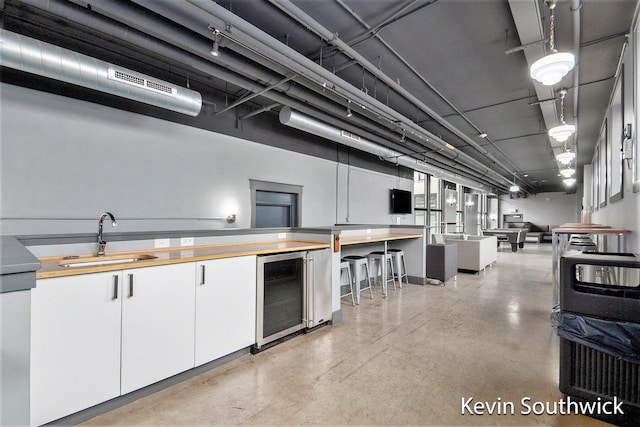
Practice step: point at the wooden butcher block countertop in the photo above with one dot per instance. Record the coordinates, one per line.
(53, 266)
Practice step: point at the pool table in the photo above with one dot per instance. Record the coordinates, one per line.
(514, 236)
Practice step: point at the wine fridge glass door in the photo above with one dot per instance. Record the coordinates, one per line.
(281, 296)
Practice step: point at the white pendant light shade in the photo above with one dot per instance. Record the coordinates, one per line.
(514, 188)
(562, 132)
(569, 181)
(550, 69)
(566, 157)
(568, 172)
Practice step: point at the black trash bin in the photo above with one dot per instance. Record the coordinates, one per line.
(598, 322)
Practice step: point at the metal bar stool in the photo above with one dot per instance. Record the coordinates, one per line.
(397, 255)
(360, 273)
(346, 290)
(375, 265)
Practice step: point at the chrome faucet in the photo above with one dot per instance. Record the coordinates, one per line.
(101, 242)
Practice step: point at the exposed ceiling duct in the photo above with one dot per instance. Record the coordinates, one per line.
(308, 124)
(44, 59)
(246, 35)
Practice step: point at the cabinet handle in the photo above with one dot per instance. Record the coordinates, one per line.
(115, 287)
(202, 277)
(130, 285)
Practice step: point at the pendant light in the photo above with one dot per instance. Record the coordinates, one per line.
(215, 49)
(515, 187)
(563, 131)
(567, 172)
(551, 68)
(569, 181)
(566, 157)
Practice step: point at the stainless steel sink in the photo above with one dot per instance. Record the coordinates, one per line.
(107, 260)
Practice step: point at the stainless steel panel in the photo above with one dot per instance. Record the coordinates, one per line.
(319, 284)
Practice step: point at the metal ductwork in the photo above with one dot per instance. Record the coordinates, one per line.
(308, 124)
(44, 59)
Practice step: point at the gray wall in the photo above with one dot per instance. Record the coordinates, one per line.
(625, 213)
(64, 161)
(543, 208)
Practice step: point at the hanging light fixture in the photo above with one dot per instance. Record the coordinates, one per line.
(551, 68)
(515, 187)
(567, 173)
(349, 113)
(563, 131)
(566, 157)
(215, 50)
(569, 181)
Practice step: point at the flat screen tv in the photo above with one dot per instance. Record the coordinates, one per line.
(401, 201)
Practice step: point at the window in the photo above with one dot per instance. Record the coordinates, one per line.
(420, 197)
(636, 84)
(275, 205)
(426, 187)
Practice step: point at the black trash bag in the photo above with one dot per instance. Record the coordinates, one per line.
(618, 339)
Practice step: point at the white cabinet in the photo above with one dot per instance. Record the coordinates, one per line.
(225, 307)
(97, 336)
(158, 316)
(75, 344)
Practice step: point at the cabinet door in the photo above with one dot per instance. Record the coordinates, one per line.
(75, 344)
(225, 307)
(158, 316)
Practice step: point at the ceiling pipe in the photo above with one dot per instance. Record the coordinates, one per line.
(575, 14)
(306, 20)
(308, 124)
(428, 84)
(149, 24)
(246, 33)
(84, 17)
(36, 57)
(169, 11)
(146, 23)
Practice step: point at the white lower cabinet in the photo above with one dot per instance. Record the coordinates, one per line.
(75, 344)
(158, 316)
(225, 307)
(97, 336)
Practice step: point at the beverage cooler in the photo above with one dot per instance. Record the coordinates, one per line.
(598, 322)
(293, 295)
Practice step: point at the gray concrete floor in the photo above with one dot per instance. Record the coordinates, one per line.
(408, 359)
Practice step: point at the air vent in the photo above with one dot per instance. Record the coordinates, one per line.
(119, 75)
(349, 135)
(132, 79)
(159, 87)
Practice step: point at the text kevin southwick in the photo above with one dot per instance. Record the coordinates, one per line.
(527, 406)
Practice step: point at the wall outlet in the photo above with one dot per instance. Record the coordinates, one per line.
(162, 243)
(282, 235)
(186, 241)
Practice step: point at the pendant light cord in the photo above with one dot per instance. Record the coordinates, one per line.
(552, 31)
